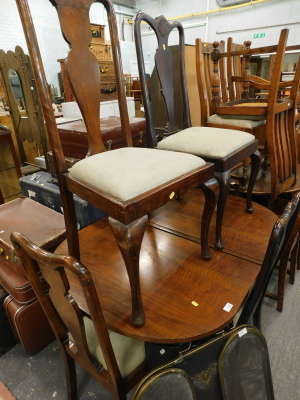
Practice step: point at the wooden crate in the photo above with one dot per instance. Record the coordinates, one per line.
(97, 34)
(108, 88)
(101, 51)
(106, 68)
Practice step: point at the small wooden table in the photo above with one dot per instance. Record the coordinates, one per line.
(183, 295)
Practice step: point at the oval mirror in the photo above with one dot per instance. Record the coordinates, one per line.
(16, 87)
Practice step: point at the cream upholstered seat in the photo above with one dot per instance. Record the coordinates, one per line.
(129, 353)
(141, 169)
(239, 122)
(212, 142)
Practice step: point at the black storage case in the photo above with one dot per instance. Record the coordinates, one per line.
(43, 188)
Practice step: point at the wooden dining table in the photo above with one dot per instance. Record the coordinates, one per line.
(185, 297)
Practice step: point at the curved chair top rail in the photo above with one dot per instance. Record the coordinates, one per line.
(164, 66)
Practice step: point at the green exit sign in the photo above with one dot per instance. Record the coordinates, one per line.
(258, 35)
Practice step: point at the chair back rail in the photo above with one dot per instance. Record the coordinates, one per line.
(235, 67)
(205, 72)
(164, 69)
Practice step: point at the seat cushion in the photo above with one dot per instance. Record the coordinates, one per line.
(243, 123)
(205, 141)
(129, 353)
(128, 172)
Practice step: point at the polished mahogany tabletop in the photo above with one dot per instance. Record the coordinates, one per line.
(185, 297)
(244, 235)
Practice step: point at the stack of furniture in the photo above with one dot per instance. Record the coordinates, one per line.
(28, 321)
(103, 54)
(124, 257)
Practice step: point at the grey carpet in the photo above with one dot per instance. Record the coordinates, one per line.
(41, 377)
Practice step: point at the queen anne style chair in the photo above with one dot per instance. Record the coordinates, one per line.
(126, 183)
(225, 148)
(116, 361)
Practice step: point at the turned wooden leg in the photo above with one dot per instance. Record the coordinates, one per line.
(265, 161)
(244, 178)
(281, 282)
(293, 262)
(129, 239)
(70, 222)
(224, 182)
(211, 193)
(257, 317)
(256, 162)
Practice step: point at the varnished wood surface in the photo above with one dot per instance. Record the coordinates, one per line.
(245, 235)
(173, 275)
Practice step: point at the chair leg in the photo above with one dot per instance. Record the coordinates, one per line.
(129, 239)
(244, 178)
(265, 161)
(281, 282)
(70, 370)
(256, 162)
(256, 318)
(211, 193)
(224, 182)
(293, 262)
(70, 221)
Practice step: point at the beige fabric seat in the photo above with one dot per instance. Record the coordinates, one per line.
(211, 142)
(129, 353)
(239, 122)
(142, 170)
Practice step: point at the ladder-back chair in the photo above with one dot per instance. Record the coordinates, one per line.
(126, 183)
(223, 77)
(217, 79)
(116, 361)
(225, 148)
(278, 113)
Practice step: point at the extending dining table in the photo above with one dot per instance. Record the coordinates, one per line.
(185, 297)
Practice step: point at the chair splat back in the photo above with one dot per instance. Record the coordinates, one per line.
(83, 69)
(164, 68)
